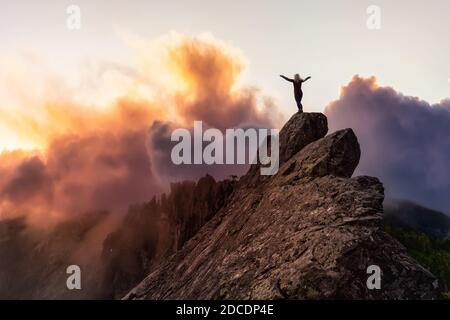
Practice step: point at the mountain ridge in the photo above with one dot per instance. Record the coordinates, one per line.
(308, 232)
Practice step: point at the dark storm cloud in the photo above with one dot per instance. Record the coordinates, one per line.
(405, 141)
(161, 146)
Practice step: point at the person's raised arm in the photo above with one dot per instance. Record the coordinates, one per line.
(306, 79)
(286, 78)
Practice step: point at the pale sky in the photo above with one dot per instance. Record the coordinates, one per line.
(328, 40)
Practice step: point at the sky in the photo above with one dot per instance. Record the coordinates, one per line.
(328, 40)
(102, 100)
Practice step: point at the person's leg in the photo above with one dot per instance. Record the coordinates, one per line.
(299, 104)
(298, 99)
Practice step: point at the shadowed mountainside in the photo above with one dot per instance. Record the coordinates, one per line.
(411, 216)
(33, 262)
(152, 231)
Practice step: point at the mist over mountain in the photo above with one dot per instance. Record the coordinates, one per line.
(114, 255)
(96, 167)
(412, 216)
(258, 237)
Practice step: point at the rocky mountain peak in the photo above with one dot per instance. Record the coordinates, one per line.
(309, 232)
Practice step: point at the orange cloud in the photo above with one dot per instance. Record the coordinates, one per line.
(97, 157)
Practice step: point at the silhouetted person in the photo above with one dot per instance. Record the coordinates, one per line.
(298, 93)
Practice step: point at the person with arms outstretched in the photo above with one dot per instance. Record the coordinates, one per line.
(298, 93)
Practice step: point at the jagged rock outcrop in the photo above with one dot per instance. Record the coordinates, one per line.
(308, 232)
(155, 229)
(338, 154)
(300, 131)
(190, 205)
(297, 133)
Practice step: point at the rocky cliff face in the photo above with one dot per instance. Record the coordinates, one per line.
(308, 232)
(153, 230)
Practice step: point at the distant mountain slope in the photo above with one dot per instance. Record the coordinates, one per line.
(33, 264)
(411, 216)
